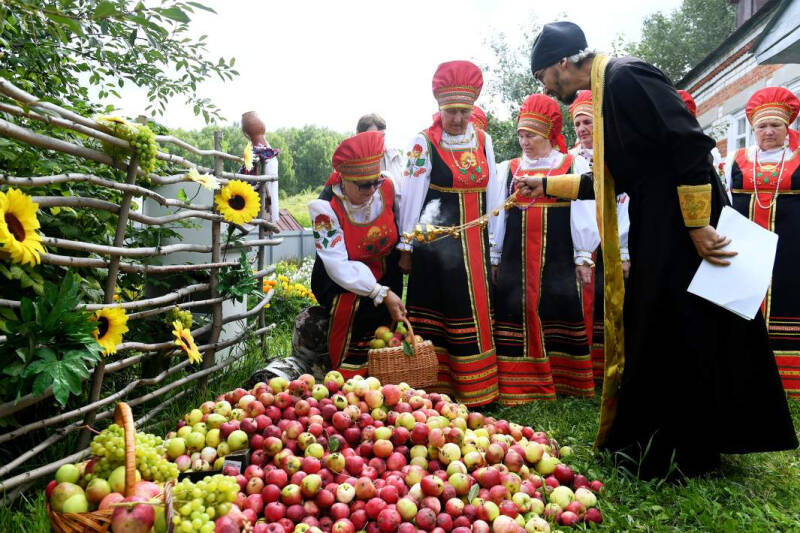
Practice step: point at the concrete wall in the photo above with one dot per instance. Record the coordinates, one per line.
(295, 245)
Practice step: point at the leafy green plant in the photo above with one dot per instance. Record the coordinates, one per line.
(51, 343)
(237, 282)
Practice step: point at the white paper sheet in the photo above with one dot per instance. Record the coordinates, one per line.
(741, 286)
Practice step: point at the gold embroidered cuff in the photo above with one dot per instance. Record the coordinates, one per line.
(695, 201)
(563, 186)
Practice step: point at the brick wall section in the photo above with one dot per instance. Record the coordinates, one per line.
(739, 85)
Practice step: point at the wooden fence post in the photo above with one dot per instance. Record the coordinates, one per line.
(209, 358)
(111, 284)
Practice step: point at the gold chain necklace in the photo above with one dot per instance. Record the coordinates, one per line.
(758, 174)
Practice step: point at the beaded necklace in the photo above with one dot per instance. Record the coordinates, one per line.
(514, 180)
(779, 175)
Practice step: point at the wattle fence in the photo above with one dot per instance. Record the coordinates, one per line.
(45, 426)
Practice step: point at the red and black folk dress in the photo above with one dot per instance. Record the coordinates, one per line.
(356, 265)
(768, 193)
(448, 295)
(540, 332)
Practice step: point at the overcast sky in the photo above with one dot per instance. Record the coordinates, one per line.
(327, 63)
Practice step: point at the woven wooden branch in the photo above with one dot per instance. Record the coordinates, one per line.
(76, 413)
(64, 123)
(195, 150)
(39, 181)
(148, 251)
(81, 262)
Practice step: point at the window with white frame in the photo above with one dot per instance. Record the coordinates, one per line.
(742, 135)
(796, 90)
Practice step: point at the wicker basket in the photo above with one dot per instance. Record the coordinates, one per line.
(100, 521)
(392, 365)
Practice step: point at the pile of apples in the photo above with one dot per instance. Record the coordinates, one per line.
(385, 338)
(356, 455)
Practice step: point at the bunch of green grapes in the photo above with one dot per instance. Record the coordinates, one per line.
(185, 317)
(197, 505)
(139, 136)
(151, 461)
(144, 142)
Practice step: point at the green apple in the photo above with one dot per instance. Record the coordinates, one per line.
(68, 473)
(76, 503)
(175, 447)
(213, 438)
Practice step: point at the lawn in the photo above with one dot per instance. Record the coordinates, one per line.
(759, 492)
(297, 205)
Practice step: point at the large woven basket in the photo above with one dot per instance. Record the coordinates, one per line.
(100, 521)
(392, 365)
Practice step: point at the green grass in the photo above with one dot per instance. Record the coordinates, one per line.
(297, 205)
(755, 492)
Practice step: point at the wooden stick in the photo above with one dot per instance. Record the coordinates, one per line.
(148, 251)
(111, 284)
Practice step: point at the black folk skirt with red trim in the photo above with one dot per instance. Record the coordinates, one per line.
(448, 298)
(540, 330)
(353, 319)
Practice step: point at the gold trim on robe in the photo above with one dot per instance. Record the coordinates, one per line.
(563, 186)
(614, 288)
(695, 202)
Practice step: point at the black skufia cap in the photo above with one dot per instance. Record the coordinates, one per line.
(556, 40)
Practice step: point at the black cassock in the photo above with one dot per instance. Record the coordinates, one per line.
(698, 380)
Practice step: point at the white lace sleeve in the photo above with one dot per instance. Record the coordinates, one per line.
(497, 225)
(353, 276)
(583, 221)
(623, 225)
(414, 184)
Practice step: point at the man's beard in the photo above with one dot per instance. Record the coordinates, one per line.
(567, 100)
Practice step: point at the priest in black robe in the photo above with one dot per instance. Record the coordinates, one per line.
(685, 380)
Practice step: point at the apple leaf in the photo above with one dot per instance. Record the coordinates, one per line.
(407, 349)
(473, 492)
(333, 444)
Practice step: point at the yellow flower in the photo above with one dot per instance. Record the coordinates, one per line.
(112, 119)
(18, 225)
(206, 180)
(184, 339)
(112, 324)
(237, 202)
(248, 157)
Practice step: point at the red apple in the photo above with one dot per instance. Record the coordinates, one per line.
(136, 519)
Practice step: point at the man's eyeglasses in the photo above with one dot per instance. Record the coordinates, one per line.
(370, 184)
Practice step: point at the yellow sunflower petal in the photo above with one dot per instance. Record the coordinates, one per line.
(206, 180)
(18, 225)
(112, 324)
(238, 202)
(184, 339)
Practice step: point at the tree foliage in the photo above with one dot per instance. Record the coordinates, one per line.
(55, 48)
(677, 41)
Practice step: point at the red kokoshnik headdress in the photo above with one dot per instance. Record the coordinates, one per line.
(582, 105)
(457, 84)
(479, 119)
(689, 101)
(358, 158)
(541, 115)
(774, 103)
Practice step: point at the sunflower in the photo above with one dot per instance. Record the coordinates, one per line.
(112, 323)
(238, 202)
(206, 180)
(184, 339)
(18, 225)
(248, 157)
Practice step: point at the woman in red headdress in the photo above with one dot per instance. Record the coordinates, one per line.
(764, 180)
(586, 236)
(356, 276)
(540, 333)
(449, 176)
(479, 119)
